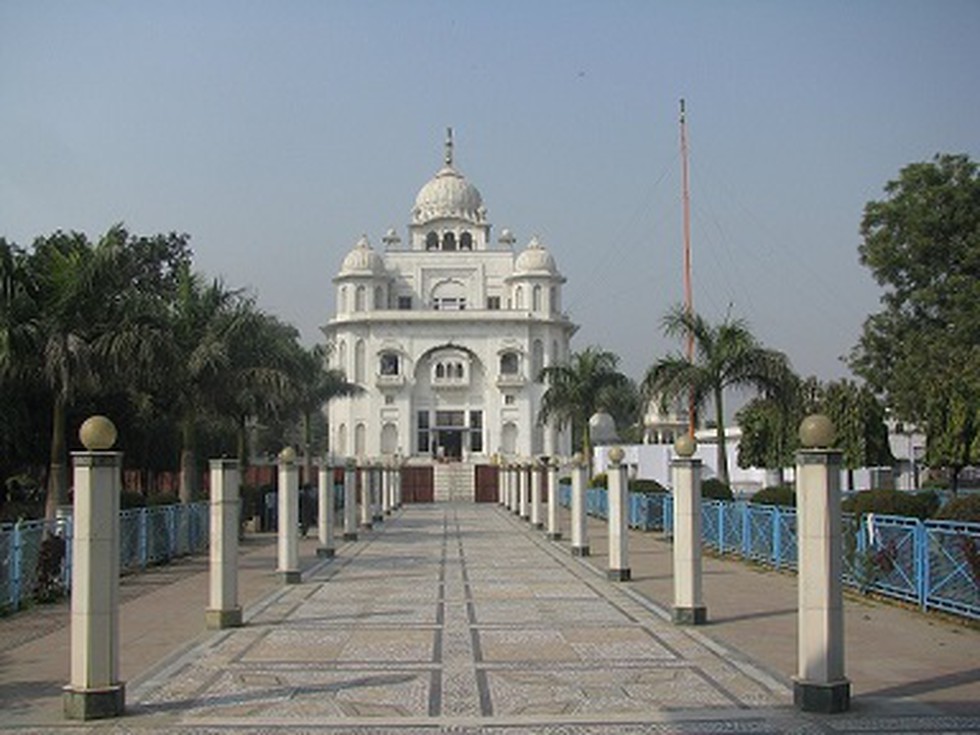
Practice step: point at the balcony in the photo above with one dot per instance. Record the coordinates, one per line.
(511, 380)
(389, 381)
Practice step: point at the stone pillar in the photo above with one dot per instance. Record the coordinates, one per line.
(386, 503)
(689, 606)
(367, 513)
(325, 511)
(223, 609)
(580, 528)
(820, 684)
(523, 491)
(376, 514)
(535, 511)
(553, 532)
(94, 690)
(350, 501)
(288, 516)
(398, 482)
(508, 486)
(619, 567)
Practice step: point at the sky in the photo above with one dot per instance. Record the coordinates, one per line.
(276, 133)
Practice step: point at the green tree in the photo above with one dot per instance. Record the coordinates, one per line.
(859, 418)
(590, 380)
(726, 355)
(922, 350)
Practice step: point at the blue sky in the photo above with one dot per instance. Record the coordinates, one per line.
(275, 133)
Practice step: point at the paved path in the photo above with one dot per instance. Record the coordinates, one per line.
(459, 618)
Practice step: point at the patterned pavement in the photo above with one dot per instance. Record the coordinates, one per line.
(460, 619)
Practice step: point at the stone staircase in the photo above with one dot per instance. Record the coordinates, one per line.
(453, 482)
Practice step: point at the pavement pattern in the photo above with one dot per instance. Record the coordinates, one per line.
(461, 619)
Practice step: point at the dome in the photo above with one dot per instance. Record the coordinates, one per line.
(362, 260)
(535, 259)
(602, 428)
(448, 195)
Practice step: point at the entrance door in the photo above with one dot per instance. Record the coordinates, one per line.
(451, 444)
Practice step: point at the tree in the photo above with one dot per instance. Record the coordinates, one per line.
(726, 355)
(922, 351)
(579, 388)
(859, 418)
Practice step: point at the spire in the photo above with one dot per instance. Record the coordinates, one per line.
(449, 146)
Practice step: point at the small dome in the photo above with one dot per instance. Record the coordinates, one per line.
(535, 259)
(602, 428)
(448, 195)
(362, 260)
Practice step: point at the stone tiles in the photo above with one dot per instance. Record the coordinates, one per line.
(460, 619)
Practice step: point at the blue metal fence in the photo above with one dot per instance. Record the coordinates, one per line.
(933, 564)
(147, 536)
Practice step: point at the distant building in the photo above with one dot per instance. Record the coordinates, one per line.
(447, 336)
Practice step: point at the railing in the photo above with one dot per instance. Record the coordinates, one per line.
(933, 564)
(35, 556)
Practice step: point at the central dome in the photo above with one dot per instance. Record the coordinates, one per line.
(448, 195)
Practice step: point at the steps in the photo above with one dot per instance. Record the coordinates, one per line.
(453, 482)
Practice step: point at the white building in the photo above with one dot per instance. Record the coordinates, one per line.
(446, 335)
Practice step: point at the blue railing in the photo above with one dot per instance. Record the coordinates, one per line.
(933, 564)
(147, 536)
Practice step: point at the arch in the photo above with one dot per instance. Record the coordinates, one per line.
(537, 359)
(536, 298)
(519, 298)
(379, 298)
(360, 435)
(341, 447)
(389, 363)
(508, 438)
(342, 299)
(466, 241)
(553, 306)
(359, 361)
(389, 438)
(449, 241)
(449, 295)
(432, 241)
(509, 363)
(359, 299)
(342, 357)
(440, 370)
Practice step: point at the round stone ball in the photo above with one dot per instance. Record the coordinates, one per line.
(578, 459)
(685, 445)
(288, 454)
(817, 431)
(616, 455)
(97, 433)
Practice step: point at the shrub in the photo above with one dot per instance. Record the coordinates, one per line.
(962, 508)
(892, 502)
(640, 485)
(775, 495)
(600, 480)
(131, 499)
(715, 489)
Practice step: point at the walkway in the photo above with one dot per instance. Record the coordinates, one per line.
(459, 618)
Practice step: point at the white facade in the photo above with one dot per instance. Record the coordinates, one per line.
(446, 336)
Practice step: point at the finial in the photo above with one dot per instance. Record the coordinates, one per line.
(449, 146)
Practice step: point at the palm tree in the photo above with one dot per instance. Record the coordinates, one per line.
(578, 389)
(725, 356)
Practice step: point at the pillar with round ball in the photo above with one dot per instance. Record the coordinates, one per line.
(689, 608)
(619, 565)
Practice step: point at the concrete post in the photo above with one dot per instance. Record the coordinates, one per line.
(367, 511)
(619, 567)
(325, 511)
(689, 606)
(398, 482)
(820, 684)
(350, 501)
(522, 484)
(94, 690)
(508, 487)
(535, 470)
(553, 532)
(386, 487)
(223, 610)
(288, 516)
(580, 533)
(376, 513)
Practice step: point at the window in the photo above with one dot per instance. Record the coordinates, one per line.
(405, 303)
(536, 298)
(493, 303)
(440, 370)
(342, 357)
(389, 363)
(342, 299)
(422, 426)
(508, 363)
(509, 399)
(553, 305)
(537, 359)
(341, 448)
(432, 241)
(449, 241)
(359, 361)
(450, 419)
(360, 434)
(379, 298)
(476, 431)
(519, 298)
(466, 241)
(389, 400)
(450, 303)
(359, 299)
